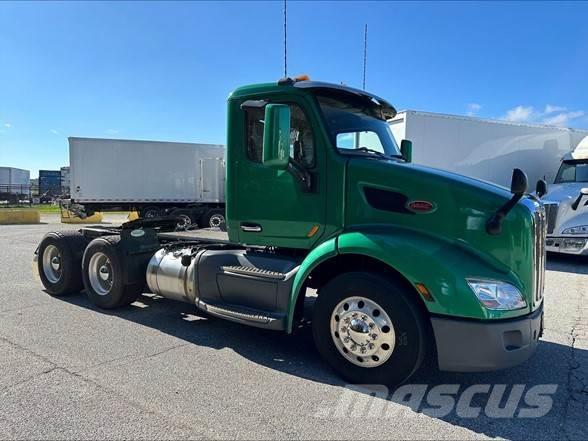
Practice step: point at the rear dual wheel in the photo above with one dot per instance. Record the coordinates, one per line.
(102, 273)
(369, 329)
(59, 262)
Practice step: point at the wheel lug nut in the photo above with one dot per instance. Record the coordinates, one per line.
(346, 339)
(372, 324)
(362, 350)
(343, 329)
(371, 346)
(364, 317)
(353, 347)
(374, 336)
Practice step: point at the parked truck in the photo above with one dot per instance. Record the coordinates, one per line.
(483, 148)
(409, 263)
(566, 201)
(185, 181)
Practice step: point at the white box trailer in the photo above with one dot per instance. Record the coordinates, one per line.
(485, 149)
(14, 181)
(158, 179)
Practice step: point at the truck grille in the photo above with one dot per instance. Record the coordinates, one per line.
(551, 214)
(540, 231)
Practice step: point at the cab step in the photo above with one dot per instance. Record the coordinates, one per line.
(248, 316)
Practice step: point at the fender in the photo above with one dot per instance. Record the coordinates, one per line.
(441, 265)
(318, 255)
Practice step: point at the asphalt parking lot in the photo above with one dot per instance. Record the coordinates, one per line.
(158, 369)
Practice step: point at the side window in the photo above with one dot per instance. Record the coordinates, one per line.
(301, 137)
(254, 143)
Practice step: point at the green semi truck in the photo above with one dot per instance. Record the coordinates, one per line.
(408, 263)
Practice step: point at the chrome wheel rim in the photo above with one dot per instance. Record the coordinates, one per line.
(183, 221)
(216, 220)
(100, 273)
(363, 332)
(52, 264)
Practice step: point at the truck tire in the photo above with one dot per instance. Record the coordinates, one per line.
(213, 218)
(59, 262)
(183, 218)
(369, 329)
(150, 213)
(102, 273)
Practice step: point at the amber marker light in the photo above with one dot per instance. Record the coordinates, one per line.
(424, 292)
(312, 231)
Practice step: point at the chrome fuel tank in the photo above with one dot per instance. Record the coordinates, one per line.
(167, 276)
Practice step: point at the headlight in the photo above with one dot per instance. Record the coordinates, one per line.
(497, 295)
(580, 229)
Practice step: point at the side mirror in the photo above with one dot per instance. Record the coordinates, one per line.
(518, 185)
(583, 192)
(541, 189)
(406, 149)
(276, 136)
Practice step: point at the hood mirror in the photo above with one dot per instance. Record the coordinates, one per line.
(518, 184)
(583, 192)
(541, 189)
(518, 187)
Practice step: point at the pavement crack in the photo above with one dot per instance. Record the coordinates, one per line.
(577, 389)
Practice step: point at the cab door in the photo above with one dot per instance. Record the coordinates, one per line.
(273, 206)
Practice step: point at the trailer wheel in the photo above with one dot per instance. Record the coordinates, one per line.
(59, 262)
(183, 218)
(150, 213)
(369, 329)
(213, 218)
(102, 272)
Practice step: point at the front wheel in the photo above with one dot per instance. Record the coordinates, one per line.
(369, 329)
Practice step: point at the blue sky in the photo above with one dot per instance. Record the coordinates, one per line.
(150, 70)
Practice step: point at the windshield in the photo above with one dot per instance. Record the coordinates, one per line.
(355, 125)
(572, 171)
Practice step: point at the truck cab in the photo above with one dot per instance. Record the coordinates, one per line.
(565, 204)
(408, 262)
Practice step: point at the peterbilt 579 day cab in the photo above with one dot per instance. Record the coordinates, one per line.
(408, 262)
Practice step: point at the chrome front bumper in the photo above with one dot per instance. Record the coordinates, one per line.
(567, 245)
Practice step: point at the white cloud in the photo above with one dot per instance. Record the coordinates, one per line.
(7, 125)
(551, 109)
(473, 108)
(55, 132)
(520, 114)
(112, 131)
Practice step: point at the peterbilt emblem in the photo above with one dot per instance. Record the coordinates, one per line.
(421, 206)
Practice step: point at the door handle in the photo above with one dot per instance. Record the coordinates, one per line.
(250, 227)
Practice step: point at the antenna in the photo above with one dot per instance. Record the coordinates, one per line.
(364, 52)
(285, 40)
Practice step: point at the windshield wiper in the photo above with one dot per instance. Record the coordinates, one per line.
(367, 149)
(379, 153)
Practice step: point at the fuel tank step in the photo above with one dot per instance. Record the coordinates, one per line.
(254, 272)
